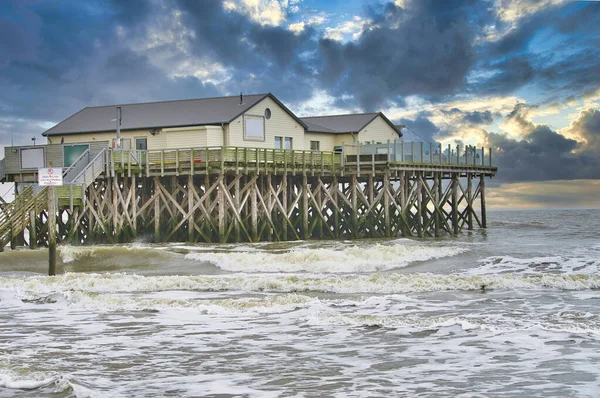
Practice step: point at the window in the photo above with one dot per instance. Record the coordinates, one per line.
(254, 128)
(267, 113)
(72, 152)
(315, 146)
(283, 143)
(278, 142)
(32, 158)
(141, 144)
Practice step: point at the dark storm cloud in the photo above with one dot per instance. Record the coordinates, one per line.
(587, 126)
(65, 55)
(425, 49)
(261, 58)
(541, 154)
(419, 129)
(555, 49)
(544, 154)
(477, 118)
(19, 34)
(510, 74)
(75, 57)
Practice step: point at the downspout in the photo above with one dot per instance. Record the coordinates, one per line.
(225, 140)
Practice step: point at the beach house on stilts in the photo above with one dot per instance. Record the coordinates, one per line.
(239, 168)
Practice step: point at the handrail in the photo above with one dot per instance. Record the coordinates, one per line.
(97, 169)
(16, 213)
(422, 153)
(75, 163)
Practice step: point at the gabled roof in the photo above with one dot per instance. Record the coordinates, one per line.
(343, 124)
(193, 112)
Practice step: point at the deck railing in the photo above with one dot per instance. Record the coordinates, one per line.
(213, 158)
(197, 160)
(425, 152)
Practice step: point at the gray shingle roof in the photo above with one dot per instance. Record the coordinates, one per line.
(343, 124)
(194, 112)
(352, 123)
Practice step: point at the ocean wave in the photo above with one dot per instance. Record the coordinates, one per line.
(582, 264)
(409, 324)
(378, 283)
(24, 379)
(327, 260)
(419, 323)
(225, 306)
(519, 224)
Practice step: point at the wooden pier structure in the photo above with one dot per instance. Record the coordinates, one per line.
(227, 194)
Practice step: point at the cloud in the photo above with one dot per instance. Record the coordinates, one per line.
(544, 154)
(513, 10)
(347, 30)
(263, 12)
(559, 193)
(533, 152)
(420, 129)
(260, 58)
(84, 61)
(549, 46)
(477, 117)
(587, 128)
(425, 49)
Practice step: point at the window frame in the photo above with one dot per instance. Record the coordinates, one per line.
(257, 138)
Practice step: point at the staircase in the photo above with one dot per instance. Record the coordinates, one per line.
(16, 216)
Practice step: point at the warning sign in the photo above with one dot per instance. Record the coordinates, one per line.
(50, 176)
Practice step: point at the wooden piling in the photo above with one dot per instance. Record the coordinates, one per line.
(52, 231)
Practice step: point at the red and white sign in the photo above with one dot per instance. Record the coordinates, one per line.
(50, 176)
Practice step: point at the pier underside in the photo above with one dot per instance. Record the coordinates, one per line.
(240, 207)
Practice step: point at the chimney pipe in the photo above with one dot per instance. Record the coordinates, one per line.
(241, 98)
(118, 127)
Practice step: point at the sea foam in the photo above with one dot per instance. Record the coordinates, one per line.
(353, 259)
(379, 283)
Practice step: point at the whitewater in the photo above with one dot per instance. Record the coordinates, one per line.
(508, 311)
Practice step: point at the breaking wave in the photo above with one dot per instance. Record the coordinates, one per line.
(352, 259)
(378, 283)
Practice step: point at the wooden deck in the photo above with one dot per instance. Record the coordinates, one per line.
(235, 160)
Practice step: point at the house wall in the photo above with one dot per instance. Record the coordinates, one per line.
(280, 124)
(53, 155)
(327, 141)
(379, 131)
(168, 138)
(183, 137)
(154, 141)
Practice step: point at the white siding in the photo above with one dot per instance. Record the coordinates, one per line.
(157, 141)
(214, 136)
(169, 138)
(378, 130)
(281, 124)
(326, 141)
(185, 137)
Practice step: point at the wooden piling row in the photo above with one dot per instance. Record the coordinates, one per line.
(221, 208)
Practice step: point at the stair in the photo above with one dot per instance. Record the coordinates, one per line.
(15, 216)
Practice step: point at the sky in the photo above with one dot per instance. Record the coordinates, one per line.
(519, 76)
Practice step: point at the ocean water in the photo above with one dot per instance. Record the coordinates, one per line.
(511, 311)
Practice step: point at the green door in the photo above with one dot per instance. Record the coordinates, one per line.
(72, 152)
